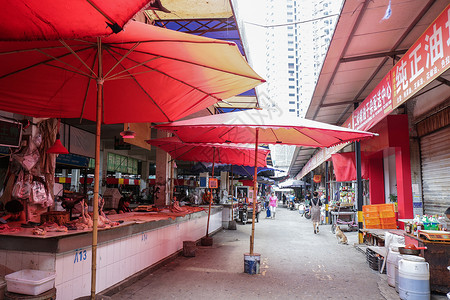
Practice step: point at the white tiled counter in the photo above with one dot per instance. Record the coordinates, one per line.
(122, 251)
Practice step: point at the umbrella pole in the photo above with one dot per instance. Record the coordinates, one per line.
(97, 169)
(171, 181)
(231, 192)
(255, 192)
(210, 198)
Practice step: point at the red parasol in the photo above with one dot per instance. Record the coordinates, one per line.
(215, 153)
(241, 127)
(142, 74)
(260, 126)
(147, 74)
(33, 20)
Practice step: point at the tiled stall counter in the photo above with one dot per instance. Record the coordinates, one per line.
(122, 251)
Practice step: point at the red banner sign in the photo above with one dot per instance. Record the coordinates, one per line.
(375, 107)
(428, 58)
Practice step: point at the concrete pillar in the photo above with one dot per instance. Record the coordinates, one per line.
(162, 173)
(376, 182)
(75, 180)
(144, 175)
(103, 170)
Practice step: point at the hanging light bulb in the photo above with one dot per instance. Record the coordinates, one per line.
(58, 147)
(128, 134)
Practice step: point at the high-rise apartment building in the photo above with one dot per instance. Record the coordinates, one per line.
(309, 29)
(297, 34)
(296, 39)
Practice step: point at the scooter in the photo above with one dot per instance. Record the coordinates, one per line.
(301, 209)
(291, 204)
(307, 213)
(243, 216)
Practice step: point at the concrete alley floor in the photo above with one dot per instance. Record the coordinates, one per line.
(295, 264)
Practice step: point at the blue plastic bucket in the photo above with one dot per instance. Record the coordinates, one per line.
(251, 263)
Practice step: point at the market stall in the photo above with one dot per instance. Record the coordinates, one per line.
(342, 208)
(140, 240)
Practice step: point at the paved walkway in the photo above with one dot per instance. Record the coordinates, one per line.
(295, 264)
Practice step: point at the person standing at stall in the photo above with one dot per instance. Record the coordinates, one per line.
(315, 211)
(124, 205)
(273, 203)
(14, 212)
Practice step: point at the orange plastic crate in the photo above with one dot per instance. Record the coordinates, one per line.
(373, 226)
(388, 220)
(387, 214)
(389, 225)
(371, 214)
(385, 207)
(370, 208)
(372, 221)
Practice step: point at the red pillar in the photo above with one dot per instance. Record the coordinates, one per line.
(399, 138)
(376, 182)
(404, 190)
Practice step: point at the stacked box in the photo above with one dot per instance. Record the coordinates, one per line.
(387, 216)
(378, 216)
(371, 217)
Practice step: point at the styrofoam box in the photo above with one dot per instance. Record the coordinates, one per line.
(30, 282)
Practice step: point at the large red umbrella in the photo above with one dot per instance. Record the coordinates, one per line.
(215, 153)
(33, 20)
(260, 126)
(273, 128)
(142, 74)
(147, 74)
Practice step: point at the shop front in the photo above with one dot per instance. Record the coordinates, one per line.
(407, 162)
(46, 236)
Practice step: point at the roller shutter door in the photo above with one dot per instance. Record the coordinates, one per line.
(435, 156)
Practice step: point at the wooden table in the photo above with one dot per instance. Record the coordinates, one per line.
(376, 236)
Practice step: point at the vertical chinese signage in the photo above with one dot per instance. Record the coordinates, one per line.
(428, 58)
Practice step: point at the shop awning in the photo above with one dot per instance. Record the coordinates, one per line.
(359, 64)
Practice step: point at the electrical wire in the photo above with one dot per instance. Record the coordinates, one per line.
(292, 23)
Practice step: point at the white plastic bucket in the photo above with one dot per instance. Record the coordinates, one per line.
(399, 257)
(414, 278)
(392, 260)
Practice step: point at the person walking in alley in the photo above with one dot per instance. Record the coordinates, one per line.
(315, 211)
(273, 203)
